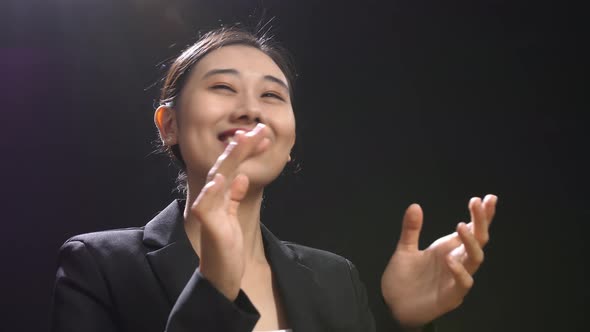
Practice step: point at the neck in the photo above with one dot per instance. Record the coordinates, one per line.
(248, 216)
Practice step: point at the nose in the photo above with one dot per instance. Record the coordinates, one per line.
(249, 110)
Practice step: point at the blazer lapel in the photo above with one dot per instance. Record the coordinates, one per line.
(172, 257)
(174, 261)
(300, 291)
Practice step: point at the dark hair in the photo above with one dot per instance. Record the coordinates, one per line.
(180, 69)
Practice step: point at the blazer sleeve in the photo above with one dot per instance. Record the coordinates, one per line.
(82, 301)
(201, 307)
(366, 319)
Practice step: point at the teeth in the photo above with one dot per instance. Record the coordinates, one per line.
(230, 139)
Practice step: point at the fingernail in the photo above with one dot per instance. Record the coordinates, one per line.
(256, 130)
(259, 127)
(209, 184)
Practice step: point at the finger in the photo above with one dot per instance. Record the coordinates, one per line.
(489, 205)
(411, 226)
(447, 242)
(463, 280)
(474, 252)
(478, 217)
(237, 192)
(210, 198)
(242, 147)
(261, 147)
(256, 138)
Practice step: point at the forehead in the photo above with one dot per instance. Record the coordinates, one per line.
(245, 59)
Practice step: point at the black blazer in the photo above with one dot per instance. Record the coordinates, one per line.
(146, 279)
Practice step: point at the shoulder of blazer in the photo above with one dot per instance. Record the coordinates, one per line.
(322, 262)
(314, 255)
(161, 230)
(115, 243)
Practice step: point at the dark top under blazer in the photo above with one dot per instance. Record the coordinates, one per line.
(146, 279)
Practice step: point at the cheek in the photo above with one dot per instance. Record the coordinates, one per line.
(197, 137)
(202, 110)
(200, 115)
(288, 129)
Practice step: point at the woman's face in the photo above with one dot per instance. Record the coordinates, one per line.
(235, 87)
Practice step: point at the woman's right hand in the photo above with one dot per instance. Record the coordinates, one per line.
(222, 256)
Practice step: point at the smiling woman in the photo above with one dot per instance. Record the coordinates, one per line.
(207, 263)
(213, 78)
(232, 87)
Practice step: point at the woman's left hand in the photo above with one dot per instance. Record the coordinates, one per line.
(421, 285)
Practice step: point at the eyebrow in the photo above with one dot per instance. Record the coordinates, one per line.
(232, 71)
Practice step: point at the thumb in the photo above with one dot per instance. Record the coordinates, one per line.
(411, 226)
(237, 192)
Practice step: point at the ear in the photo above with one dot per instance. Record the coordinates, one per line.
(165, 120)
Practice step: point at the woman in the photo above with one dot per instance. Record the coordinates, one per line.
(207, 263)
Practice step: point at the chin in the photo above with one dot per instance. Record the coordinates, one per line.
(259, 175)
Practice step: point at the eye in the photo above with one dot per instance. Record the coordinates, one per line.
(222, 87)
(273, 95)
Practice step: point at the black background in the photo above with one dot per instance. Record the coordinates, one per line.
(396, 102)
